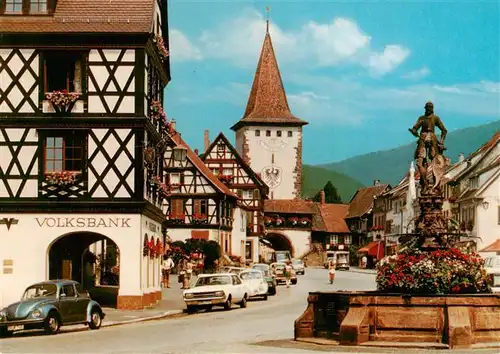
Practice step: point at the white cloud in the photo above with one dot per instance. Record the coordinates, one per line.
(325, 44)
(181, 48)
(417, 74)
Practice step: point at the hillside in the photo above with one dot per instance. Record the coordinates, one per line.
(389, 166)
(314, 178)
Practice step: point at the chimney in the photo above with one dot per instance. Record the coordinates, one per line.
(206, 140)
(322, 196)
(172, 124)
(461, 157)
(376, 182)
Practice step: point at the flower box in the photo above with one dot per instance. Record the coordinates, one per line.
(157, 112)
(62, 178)
(199, 219)
(160, 46)
(225, 178)
(62, 100)
(293, 220)
(177, 218)
(304, 221)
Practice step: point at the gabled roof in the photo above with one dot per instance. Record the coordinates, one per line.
(362, 201)
(267, 103)
(494, 247)
(202, 168)
(476, 193)
(254, 176)
(330, 218)
(82, 16)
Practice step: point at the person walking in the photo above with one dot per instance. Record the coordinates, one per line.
(167, 266)
(189, 272)
(331, 271)
(288, 273)
(181, 271)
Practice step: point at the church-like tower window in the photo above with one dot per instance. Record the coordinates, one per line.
(278, 133)
(38, 6)
(290, 133)
(14, 6)
(268, 133)
(63, 153)
(257, 133)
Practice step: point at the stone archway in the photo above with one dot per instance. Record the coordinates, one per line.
(89, 258)
(280, 242)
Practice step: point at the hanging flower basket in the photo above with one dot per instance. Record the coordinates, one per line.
(62, 100)
(157, 112)
(279, 221)
(63, 178)
(160, 45)
(268, 220)
(293, 220)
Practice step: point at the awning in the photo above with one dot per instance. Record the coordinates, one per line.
(374, 249)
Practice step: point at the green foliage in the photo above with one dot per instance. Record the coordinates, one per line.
(314, 178)
(353, 255)
(331, 194)
(389, 166)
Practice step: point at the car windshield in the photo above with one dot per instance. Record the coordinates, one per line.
(40, 290)
(215, 280)
(250, 275)
(263, 268)
(298, 262)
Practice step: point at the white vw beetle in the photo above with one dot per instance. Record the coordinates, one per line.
(255, 282)
(222, 289)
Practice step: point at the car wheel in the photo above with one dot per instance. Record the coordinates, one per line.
(294, 281)
(243, 303)
(228, 304)
(4, 333)
(191, 309)
(208, 308)
(52, 324)
(273, 291)
(265, 297)
(95, 319)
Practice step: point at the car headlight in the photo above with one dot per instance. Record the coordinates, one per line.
(37, 313)
(188, 296)
(219, 294)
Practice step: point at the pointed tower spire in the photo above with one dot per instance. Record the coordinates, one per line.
(267, 102)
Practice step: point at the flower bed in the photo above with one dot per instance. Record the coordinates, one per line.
(439, 272)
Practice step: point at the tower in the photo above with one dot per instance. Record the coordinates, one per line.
(269, 136)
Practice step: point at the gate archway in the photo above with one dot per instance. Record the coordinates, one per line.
(89, 258)
(280, 242)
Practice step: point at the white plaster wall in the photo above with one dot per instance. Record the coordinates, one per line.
(185, 234)
(255, 248)
(239, 233)
(27, 245)
(150, 266)
(487, 223)
(261, 150)
(301, 241)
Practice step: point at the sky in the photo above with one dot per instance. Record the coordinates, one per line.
(359, 72)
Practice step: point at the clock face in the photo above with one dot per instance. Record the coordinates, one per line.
(271, 175)
(273, 144)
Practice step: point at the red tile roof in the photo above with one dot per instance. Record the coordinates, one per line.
(267, 102)
(362, 201)
(202, 168)
(77, 16)
(494, 247)
(332, 218)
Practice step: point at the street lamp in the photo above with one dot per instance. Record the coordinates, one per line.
(180, 153)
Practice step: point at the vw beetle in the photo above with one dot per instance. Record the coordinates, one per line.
(49, 305)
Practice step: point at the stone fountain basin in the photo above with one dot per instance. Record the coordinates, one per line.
(361, 318)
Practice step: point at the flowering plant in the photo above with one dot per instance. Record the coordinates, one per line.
(268, 220)
(145, 247)
(279, 220)
(225, 178)
(437, 272)
(377, 228)
(160, 45)
(178, 218)
(62, 100)
(157, 112)
(61, 178)
(293, 220)
(304, 221)
(199, 218)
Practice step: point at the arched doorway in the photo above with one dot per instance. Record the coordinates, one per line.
(280, 242)
(89, 258)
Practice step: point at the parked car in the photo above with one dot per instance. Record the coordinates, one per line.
(279, 272)
(268, 276)
(298, 266)
(221, 289)
(232, 270)
(492, 266)
(255, 283)
(50, 305)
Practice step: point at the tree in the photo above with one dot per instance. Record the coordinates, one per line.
(331, 194)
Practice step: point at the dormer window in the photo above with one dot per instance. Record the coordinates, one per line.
(38, 6)
(13, 6)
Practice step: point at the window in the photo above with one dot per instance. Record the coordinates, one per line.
(341, 239)
(68, 290)
(175, 178)
(347, 239)
(37, 6)
(177, 207)
(227, 172)
(290, 133)
(257, 133)
(63, 71)
(236, 280)
(14, 6)
(63, 154)
(204, 207)
(256, 194)
(278, 133)
(268, 133)
(220, 147)
(474, 182)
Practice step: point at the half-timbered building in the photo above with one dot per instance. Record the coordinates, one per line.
(228, 166)
(197, 204)
(81, 91)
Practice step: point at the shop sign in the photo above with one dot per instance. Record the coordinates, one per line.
(83, 222)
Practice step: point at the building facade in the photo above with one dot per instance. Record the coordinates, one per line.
(73, 127)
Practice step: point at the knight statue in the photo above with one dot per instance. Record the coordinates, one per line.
(429, 152)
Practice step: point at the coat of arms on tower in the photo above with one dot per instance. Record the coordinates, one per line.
(272, 176)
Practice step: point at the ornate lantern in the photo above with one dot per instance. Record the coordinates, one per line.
(149, 155)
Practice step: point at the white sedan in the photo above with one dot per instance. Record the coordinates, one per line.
(222, 289)
(255, 282)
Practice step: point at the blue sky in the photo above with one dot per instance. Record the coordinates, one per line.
(358, 72)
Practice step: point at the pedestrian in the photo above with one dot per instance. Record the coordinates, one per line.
(181, 271)
(331, 271)
(288, 273)
(167, 266)
(189, 272)
(364, 260)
